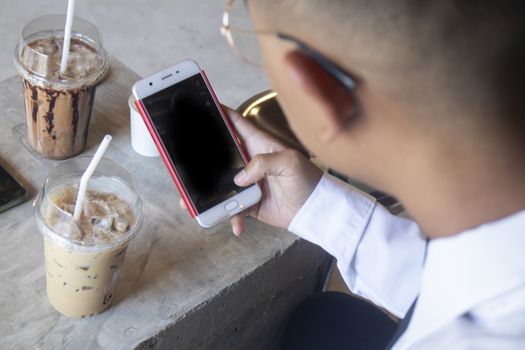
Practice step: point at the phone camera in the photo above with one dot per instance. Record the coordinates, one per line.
(150, 83)
(177, 72)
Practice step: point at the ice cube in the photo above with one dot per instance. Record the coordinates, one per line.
(96, 208)
(104, 217)
(121, 224)
(100, 224)
(69, 229)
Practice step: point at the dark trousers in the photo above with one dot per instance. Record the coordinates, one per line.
(333, 321)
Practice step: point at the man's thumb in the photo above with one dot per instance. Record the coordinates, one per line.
(260, 166)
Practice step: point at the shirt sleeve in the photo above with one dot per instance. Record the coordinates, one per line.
(379, 255)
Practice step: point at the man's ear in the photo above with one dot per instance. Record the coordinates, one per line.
(339, 103)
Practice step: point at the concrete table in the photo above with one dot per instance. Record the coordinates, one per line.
(181, 286)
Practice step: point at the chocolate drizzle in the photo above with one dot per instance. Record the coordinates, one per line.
(34, 99)
(90, 93)
(59, 118)
(76, 116)
(50, 116)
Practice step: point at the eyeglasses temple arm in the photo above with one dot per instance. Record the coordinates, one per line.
(339, 74)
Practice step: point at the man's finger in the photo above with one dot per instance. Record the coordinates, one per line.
(237, 223)
(253, 137)
(242, 125)
(265, 164)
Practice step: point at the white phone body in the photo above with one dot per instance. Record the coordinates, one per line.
(168, 78)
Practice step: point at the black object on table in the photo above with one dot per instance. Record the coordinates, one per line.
(11, 192)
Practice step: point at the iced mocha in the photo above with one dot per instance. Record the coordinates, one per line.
(59, 105)
(58, 102)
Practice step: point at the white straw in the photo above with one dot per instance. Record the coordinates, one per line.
(87, 174)
(67, 35)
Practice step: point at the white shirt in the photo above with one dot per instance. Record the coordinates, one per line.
(471, 286)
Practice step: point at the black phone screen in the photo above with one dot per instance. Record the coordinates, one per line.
(11, 192)
(197, 140)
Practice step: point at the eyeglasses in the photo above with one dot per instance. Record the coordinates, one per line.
(241, 35)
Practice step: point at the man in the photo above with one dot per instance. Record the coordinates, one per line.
(437, 119)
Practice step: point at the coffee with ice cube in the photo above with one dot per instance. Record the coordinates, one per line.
(82, 283)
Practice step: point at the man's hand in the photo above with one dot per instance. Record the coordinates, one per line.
(286, 177)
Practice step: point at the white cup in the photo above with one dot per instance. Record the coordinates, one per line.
(141, 140)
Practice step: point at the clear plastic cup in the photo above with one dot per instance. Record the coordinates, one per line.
(58, 105)
(82, 272)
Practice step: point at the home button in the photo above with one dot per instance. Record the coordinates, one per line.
(231, 205)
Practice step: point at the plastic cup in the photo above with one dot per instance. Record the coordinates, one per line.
(58, 105)
(141, 139)
(81, 275)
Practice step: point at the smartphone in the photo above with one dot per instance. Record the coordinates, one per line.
(196, 141)
(11, 192)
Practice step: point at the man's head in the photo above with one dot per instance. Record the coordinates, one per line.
(438, 81)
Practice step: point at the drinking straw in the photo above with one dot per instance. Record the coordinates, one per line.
(87, 175)
(67, 35)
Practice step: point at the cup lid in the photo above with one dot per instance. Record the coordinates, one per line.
(38, 54)
(110, 181)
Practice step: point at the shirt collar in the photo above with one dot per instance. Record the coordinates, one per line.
(464, 270)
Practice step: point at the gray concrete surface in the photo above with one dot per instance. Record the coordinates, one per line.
(181, 287)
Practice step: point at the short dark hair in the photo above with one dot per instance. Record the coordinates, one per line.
(465, 54)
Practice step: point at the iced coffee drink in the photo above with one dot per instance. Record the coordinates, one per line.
(83, 258)
(58, 104)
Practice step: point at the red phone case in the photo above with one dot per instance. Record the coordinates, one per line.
(164, 154)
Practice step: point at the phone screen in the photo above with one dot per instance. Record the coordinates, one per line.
(197, 140)
(11, 192)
